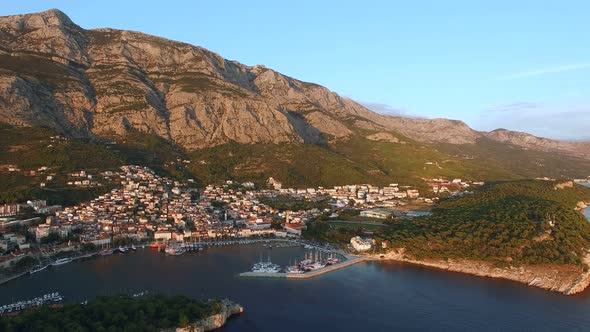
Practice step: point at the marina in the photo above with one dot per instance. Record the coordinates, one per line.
(306, 275)
(316, 261)
(175, 248)
(47, 299)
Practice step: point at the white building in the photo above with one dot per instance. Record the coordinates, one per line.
(360, 244)
(163, 235)
(376, 213)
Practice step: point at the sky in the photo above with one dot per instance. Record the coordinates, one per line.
(520, 65)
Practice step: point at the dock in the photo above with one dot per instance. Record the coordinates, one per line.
(306, 275)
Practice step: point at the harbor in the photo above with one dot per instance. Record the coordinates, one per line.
(316, 260)
(170, 248)
(414, 289)
(47, 299)
(329, 268)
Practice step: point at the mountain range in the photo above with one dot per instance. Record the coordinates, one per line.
(233, 120)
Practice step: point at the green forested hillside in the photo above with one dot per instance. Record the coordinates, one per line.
(114, 313)
(521, 162)
(502, 222)
(356, 159)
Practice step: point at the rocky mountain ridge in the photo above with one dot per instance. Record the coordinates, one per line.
(107, 82)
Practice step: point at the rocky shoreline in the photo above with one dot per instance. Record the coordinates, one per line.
(564, 279)
(216, 321)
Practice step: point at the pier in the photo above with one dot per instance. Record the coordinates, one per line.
(350, 261)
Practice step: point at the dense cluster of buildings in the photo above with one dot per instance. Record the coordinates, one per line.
(359, 195)
(146, 207)
(442, 185)
(38, 206)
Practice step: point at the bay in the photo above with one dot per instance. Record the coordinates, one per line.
(371, 296)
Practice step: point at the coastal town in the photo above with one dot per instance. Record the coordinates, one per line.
(144, 208)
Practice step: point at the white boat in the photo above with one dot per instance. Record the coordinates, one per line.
(294, 270)
(266, 267)
(174, 250)
(38, 268)
(106, 252)
(332, 261)
(122, 249)
(313, 266)
(61, 261)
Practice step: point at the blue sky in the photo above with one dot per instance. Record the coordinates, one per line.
(521, 65)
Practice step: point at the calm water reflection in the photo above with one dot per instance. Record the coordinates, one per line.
(365, 297)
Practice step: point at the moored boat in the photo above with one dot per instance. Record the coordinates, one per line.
(61, 261)
(106, 252)
(38, 268)
(175, 250)
(266, 267)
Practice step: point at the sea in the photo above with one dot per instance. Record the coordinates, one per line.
(371, 296)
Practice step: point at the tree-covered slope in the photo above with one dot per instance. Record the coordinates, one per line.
(359, 159)
(115, 313)
(518, 222)
(524, 162)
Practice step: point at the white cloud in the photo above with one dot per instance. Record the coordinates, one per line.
(383, 108)
(514, 107)
(564, 124)
(548, 70)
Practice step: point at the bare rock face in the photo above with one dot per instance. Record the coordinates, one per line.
(580, 149)
(106, 82)
(431, 130)
(565, 279)
(383, 137)
(216, 321)
(50, 33)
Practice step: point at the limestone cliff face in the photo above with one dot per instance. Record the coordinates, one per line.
(105, 82)
(216, 321)
(565, 279)
(580, 149)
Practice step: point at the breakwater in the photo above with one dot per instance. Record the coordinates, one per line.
(350, 261)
